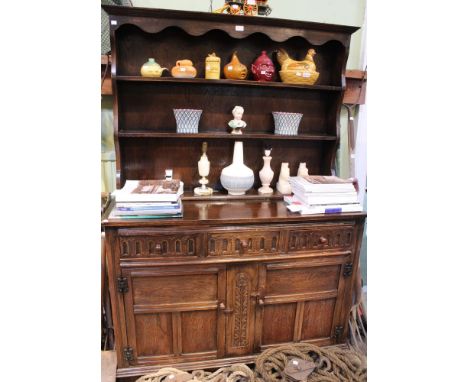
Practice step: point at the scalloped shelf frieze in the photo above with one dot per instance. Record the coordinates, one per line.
(199, 29)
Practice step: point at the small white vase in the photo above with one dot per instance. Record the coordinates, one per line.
(266, 175)
(237, 178)
(302, 170)
(283, 185)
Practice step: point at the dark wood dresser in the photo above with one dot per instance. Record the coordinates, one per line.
(235, 275)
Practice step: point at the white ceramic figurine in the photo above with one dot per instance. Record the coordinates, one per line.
(237, 123)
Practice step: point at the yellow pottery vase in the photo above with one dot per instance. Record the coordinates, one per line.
(212, 67)
(184, 69)
(235, 70)
(151, 69)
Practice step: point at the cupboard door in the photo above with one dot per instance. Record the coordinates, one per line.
(241, 297)
(299, 301)
(173, 314)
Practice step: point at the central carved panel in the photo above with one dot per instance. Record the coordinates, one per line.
(241, 243)
(241, 310)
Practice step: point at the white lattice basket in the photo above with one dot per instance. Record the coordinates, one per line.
(286, 123)
(187, 120)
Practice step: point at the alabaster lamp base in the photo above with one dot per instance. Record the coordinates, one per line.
(203, 190)
(200, 191)
(265, 190)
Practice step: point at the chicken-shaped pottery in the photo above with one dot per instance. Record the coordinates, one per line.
(297, 72)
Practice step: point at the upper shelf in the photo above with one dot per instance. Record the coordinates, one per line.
(203, 81)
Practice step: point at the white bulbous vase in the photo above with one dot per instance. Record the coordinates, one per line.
(237, 178)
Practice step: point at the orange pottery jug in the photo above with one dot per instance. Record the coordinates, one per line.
(235, 70)
(184, 69)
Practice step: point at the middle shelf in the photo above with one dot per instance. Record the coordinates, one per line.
(249, 83)
(217, 135)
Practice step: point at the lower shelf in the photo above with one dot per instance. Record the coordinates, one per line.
(252, 194)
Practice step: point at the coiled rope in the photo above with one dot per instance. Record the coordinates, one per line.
(332, 364)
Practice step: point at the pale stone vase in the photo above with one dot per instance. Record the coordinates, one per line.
(266, 174)
(283, 185)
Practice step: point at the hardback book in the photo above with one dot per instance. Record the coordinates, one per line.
(326, 198)
(295, 205)
(148, 209)
(148, 212)
(321, 183)
(158, 216)
(150, 191)
(331, 209)
(149, 206)
(145, 205)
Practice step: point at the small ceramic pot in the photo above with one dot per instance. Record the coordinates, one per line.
(187, 120)
(212, 67)
(184, 69)
(286, 123)
(151, 69)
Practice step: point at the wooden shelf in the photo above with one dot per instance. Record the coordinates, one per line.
(153, 134)
(223, 196)
(202, 81)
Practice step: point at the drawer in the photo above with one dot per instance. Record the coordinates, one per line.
(238, 242)
(313, 237)
(159, 244)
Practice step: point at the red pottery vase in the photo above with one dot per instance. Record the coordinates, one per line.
(263, 68)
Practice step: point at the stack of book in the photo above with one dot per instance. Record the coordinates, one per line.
(140, 199)
(317, 194)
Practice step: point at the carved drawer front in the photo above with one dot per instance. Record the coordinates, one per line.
(319, 238)
(239, 243)
(161, 245)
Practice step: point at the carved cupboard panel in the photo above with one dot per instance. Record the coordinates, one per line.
(300, 301)
(241, 300)
(173, 313)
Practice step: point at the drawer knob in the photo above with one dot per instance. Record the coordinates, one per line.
(222, 306)
(158, 248)
(261, 301)
(323, 240)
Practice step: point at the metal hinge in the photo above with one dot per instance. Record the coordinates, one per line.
(122, 284)
(338, 333)
(128, 353)
(348, 269)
